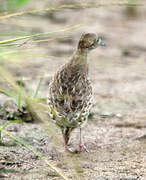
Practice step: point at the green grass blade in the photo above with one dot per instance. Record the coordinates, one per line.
(41, 34)
(38, 87)
(7, 76)
(9, 93)
(8, 123)
(5, 125)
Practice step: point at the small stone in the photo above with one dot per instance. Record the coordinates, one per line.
(119, 115)
(133, 167)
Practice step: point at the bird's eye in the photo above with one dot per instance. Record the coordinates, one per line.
(99, 40)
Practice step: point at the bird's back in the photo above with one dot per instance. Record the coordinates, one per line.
(70, 95)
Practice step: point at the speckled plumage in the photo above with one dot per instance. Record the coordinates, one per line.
(70, 91)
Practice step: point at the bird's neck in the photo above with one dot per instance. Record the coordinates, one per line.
(80, 58)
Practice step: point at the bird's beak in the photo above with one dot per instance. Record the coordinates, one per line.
(100, 42)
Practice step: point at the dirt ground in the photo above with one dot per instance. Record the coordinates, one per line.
(116, 133)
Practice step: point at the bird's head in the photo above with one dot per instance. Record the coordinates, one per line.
(90, 41)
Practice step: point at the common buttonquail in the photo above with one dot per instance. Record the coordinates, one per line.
(70, 92)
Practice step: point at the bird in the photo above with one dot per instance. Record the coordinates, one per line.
(70, 96)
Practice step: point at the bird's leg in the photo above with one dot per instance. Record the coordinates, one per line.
(81, 145)
(66, 135)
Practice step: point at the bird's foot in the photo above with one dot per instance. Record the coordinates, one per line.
(70, 150)
(82, 148)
